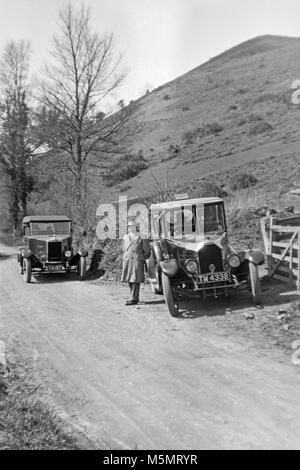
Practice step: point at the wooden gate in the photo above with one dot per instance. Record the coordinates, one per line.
(282, 245)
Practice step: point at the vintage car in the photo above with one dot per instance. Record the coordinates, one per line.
(48, 247)
(191, 253)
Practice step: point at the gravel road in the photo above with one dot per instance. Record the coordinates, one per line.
(133, 377)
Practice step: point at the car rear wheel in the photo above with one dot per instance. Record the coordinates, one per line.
(254, 283)
(82, 268)
(27, 269)
(170, 295)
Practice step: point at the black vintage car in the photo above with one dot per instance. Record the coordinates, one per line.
(48, 247)
(191, 253)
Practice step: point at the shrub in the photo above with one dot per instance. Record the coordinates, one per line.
(242, 181)
(244, 225)
(242, 91)
(253, 118)
(185, 108)
(260, 128)
(111, 261)
(174, 149)
(213, 128)
(166, 97)
(242, 122)
(188, 137)
(207, 189)
(125, 168)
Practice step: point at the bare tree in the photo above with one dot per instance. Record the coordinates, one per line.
(82, 73)
(15, 127)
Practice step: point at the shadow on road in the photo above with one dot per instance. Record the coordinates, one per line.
(274, 293)
(57, 278)
(152, 302)
(5, 256)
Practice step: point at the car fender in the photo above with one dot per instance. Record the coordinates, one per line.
(156, 251)
(26, 253)
(256, 257)
(83, 253)
(151, 266)
(19, 254)
(170, 268)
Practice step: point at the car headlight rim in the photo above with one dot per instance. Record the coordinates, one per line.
(191, 266)
(234, 260)
(42, 254)
(68, 254)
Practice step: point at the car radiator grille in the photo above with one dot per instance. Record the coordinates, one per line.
(210, 254)
(54, 251)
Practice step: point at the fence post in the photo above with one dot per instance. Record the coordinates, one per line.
(270, 248)
(298, 276)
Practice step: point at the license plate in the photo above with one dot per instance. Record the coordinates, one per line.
(214, 277)
(56, 267)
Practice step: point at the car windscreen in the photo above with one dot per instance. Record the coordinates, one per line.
(214, 218)
(191, 221)
(50, 228)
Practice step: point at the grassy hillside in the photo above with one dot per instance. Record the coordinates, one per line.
(230, 111)
(231, 115)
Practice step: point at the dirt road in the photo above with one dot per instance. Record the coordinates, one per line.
(133, 377)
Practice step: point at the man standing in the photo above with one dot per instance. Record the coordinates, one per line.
(136, 251)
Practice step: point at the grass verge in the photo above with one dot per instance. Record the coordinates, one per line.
(25, 421)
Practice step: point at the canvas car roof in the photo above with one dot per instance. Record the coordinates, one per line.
(182, 202)
(46, 218)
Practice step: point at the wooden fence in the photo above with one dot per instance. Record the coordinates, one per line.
(282, 245)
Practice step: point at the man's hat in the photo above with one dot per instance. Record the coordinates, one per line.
(132, 223)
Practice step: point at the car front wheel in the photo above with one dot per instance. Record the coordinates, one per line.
(170, 295)
(254, 283)
(27, 269)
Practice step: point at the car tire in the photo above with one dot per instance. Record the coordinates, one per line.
(254, 283)
(82, 268)
(170, 295)
(27, 269)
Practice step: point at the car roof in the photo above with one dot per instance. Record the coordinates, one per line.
(189, 202)
(46, 218)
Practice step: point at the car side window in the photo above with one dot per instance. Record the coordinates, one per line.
(26, 231)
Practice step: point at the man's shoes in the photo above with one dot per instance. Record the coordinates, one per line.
(131, 302)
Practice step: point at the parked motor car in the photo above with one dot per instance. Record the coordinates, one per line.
(48, 247)
(191, 253)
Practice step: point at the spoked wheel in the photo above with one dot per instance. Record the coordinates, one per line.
(254, 283)
(171, 295)
(82, 268)
(27, 269)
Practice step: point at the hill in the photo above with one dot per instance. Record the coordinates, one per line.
(229, 112)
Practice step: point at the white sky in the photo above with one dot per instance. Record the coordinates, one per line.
(159, 39)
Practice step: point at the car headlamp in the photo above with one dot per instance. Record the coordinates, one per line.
(191, 266)
(234, 261)
(42, 254)
(68, 254)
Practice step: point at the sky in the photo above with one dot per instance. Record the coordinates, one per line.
(158, 39)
